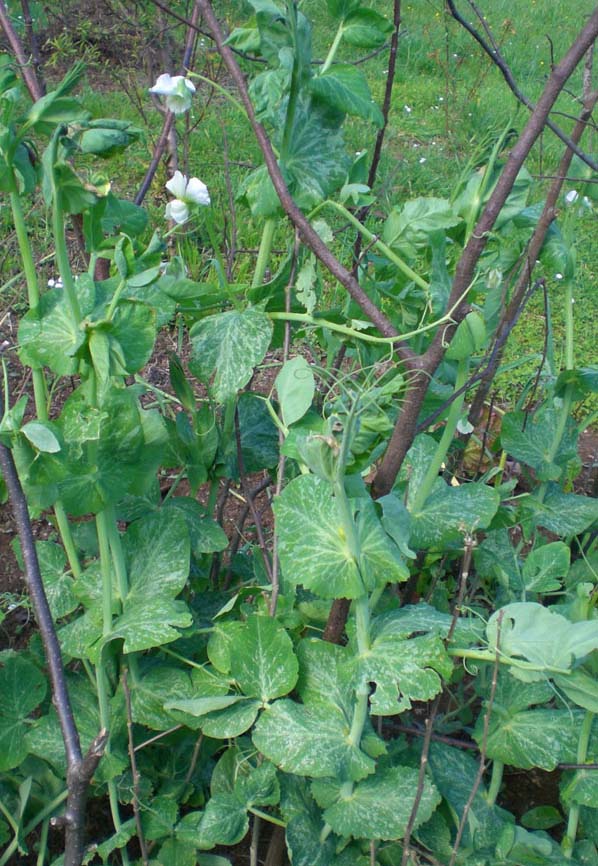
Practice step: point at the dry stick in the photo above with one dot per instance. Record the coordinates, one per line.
(492, 49)
(33, 44)
(234, 546)
(308, 235)
(533, 251)
(405, 426)
(32, 82)
(134, 770)
(483, 747)
(465, 566)
(168, 124)
(80, 768)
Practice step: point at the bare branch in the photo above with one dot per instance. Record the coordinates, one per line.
(31, 80)
(490, 46)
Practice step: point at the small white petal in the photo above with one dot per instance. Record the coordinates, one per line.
(177, 185)
(422, 160)
(197, 192)
(164, 85)
(571, 196)
(558, 276)
(177, 211)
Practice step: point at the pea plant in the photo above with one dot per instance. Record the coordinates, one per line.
(350, 683)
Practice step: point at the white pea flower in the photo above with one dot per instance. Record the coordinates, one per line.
(572, 196)
(178, 91)
(186, 192)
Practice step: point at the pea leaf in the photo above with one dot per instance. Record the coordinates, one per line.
(565, 513)
(262, 659)
(450, 512)
(231, 344)
(531, 738)
(22, 689)
(530, 439)
(546, 567)
(404, 668)
(366, 28)
(379, 807)
(310, 740)
(295, 386)
(540, 636)
(345, 88)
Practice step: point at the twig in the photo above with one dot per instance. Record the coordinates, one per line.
(168, 125)
(406, 423)
(80, 768)
(490, 46)
(234, 546)
(194, 759)
(465, 566)
(134, 771)
(30, 78)
(484, 744)
(307, 233)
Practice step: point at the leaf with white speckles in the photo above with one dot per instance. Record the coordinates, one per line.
(262, 659)
(228, 346)
(380, 806)
(451, 512)
(310, 740)
(312, 546)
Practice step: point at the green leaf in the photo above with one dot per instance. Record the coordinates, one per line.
(342, 8)
(531, 738)
(451, 512)
(404, 668)
(49, 336)
(258, 434)
(345, 88)
(549, 641)
(310, 740)
(580, 786)
(106, 136)
(174, 852)
(159, 818)
(159, 687)
(380, 806)
(22, 689)
(530, 439)
(366, 28)
(580, 382)
(232, 721)
(146, 624)
(231, 344)
(262, 659)
(224, 822)
(57, 584)
(158, 551)
(42, 436)
(295, 386)
(542, 818)
(134, 328)
(454, 773)
(580, 687)
(468, 339)
(312, 546)
(304, 825)
(565, 513)
(409, 228)
(545, 568)
(326, 675)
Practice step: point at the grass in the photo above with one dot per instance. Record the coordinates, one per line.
(449, 103)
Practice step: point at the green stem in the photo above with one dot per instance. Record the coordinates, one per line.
(373, 240)
(495, 782)
(488, 656)
(263, 256)
(40, 391)
(289, 122)
(270, 818)
(41, 816)
(115, 299)
(333, 49)
(582, 754)
(446, 439)
(102, 526)
(43, 843)
(62, 256)
(117, 553)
